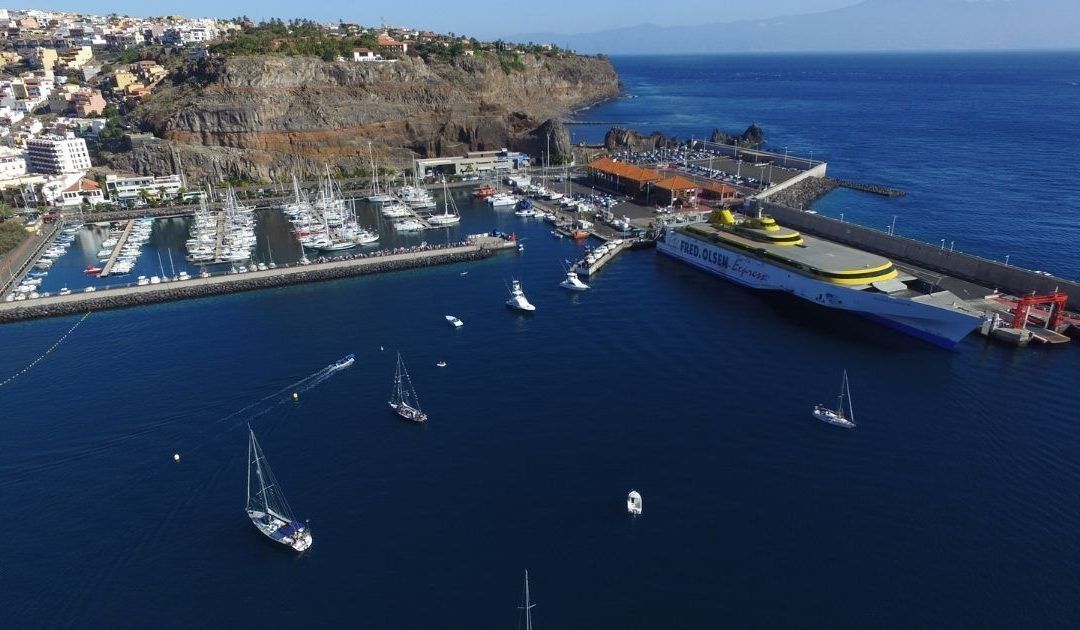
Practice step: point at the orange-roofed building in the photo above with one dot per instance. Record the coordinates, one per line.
(392, 45)
(676, 190)
(715, 193)
(627, 178)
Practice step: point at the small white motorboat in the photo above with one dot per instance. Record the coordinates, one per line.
(455, 321)
(441, 364)
(573, 282)
(633, 502)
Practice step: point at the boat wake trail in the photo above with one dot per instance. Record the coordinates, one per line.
(286, 394)
(236, 419)
(59, 341)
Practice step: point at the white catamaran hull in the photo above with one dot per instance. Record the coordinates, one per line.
(941, 326)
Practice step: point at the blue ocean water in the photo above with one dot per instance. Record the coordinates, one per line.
(953, 502)
(983, 143)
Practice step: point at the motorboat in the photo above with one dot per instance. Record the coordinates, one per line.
(573, 282)
(457, 323)
(633, 502)
(517, 300)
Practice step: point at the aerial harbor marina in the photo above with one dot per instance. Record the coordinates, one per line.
(365, 315)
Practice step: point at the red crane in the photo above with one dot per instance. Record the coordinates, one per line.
(1056, 300)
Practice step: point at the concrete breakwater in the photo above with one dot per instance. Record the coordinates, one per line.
(874, 189)
(987, 273)
(130, 296)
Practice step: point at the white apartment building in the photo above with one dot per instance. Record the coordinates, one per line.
(123, 188)
(12, 165)
(57, 154)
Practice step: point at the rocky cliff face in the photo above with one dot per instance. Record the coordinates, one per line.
(271, 114)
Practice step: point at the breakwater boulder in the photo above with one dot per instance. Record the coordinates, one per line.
(802, 194)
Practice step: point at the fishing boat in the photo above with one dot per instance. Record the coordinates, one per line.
(527, 605)
(404, 401)
(266, 504)
(517, 299)
(457, 323)
(633, 502)
(573, 282)
(838, 417)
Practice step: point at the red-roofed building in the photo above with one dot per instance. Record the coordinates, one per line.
(627, 178)
(717, 194)
(82, 191)
(392, 45)
(676, 190)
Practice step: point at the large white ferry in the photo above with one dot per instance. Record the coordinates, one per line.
(758, 253)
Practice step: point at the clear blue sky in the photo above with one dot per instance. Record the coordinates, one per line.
(480, 18)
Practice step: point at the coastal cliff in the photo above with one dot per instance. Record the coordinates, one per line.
(268, 115)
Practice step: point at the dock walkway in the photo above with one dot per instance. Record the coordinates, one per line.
(130, 295)
(583, 267)
(220, 237)
(116, 250)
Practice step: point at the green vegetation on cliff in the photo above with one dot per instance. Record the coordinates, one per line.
(11, 230)
(297, 38)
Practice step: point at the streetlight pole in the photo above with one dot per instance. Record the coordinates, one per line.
(892, 226)
(1006, 260)
(942, 244)
(785, 156)
(841, 217)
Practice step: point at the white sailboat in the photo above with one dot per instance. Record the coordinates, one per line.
(266, 504)
(377, 195)
(404, 401)
(517, 300)
(838, 417)
(527, 604)
(447, 217)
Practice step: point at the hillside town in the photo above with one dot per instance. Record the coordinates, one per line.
(68, 80)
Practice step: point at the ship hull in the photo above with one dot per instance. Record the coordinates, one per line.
(939, 326)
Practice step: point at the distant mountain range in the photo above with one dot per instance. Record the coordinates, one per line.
(871, 25)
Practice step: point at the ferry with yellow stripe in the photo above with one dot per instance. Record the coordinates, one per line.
(759, 253)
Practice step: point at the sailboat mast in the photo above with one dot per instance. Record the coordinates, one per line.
(251, 439)
(528, 604)
(851, 405)
(840, 398)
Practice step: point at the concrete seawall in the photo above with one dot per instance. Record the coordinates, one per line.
(55, 306)
(990, 273)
